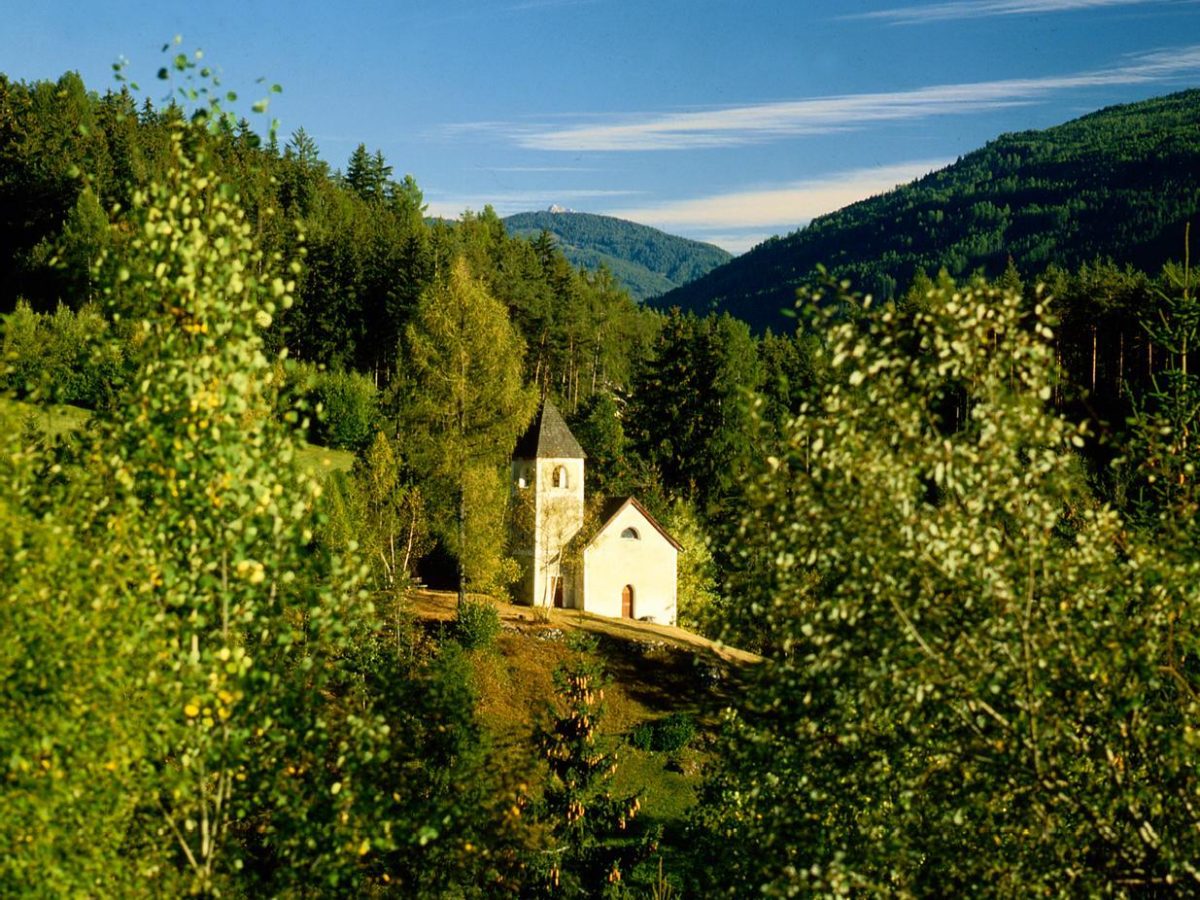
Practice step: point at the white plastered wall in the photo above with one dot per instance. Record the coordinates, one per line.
(646, 563)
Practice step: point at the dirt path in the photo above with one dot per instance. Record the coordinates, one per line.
(439, 606)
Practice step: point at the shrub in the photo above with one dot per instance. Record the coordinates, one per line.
(642, 736)
(592, 835)
(477, 624)
(665, 735)
(674, 732)
(66, 357)
(23, 349)
(348, 408)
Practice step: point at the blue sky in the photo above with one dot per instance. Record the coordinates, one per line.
(722, 120)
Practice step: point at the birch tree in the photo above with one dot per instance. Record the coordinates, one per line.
(977, 683)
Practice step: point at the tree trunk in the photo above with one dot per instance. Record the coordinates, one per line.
(462, 533)
(1093, 360)
(1121, 366)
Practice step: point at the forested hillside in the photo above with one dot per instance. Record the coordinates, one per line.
(1119, 183)
(368, 254)
(644, 260)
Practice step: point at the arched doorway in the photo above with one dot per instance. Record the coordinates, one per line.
(627, 602)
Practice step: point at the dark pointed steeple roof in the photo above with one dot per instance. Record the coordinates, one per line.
(548, 437)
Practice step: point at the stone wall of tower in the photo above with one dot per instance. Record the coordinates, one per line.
(551, 492)
(559, 516)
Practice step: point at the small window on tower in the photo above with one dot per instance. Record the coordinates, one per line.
(560, 477)
(631, 534)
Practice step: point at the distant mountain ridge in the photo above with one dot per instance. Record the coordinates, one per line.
(645, 260)
(1121, 182)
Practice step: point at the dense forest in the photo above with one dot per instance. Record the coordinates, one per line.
(368, 254)
(1116, 184)
(958, 526)
(645, 261)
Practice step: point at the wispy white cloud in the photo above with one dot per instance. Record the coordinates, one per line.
(916, 14)
(781, 206)
(450, 206)
(740, 125)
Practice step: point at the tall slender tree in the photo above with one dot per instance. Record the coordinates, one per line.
(460, 405)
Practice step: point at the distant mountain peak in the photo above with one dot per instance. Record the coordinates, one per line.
(646, 261)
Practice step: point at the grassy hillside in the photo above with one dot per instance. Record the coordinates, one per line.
(645, 260)
(655, 671)
(1118, 183)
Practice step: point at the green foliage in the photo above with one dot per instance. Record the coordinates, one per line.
(598, 428)
(642, 736)
(195, 698)
(66, 357)
(592, 845)
(477, 624)
(345, 407)
(69, 736)
(367, 174)
(674, 732)
(84, 239)
(582, 331)
(378, 515)
(667, 735)
(644, 260)
(688, 417)
(967, 687)
(461, 405)
(1163, 446)
(181, 492)
(432, 812)
(699, 606)
(1119, 183)
(369, 254)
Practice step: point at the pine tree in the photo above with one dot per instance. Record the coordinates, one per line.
(305, 150)
(367, 174)
(594, 846)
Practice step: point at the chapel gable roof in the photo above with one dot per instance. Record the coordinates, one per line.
(613, 507)
(548, 437)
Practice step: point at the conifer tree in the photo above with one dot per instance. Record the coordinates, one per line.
(590, 826)
(460, 405)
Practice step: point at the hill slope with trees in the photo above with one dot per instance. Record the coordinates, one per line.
(1118, 183)
(644, 260)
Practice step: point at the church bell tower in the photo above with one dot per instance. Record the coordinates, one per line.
(547, 479)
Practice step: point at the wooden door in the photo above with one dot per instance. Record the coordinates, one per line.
(627, 601)
(558, 592)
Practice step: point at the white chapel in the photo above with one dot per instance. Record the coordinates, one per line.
(624, 568)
